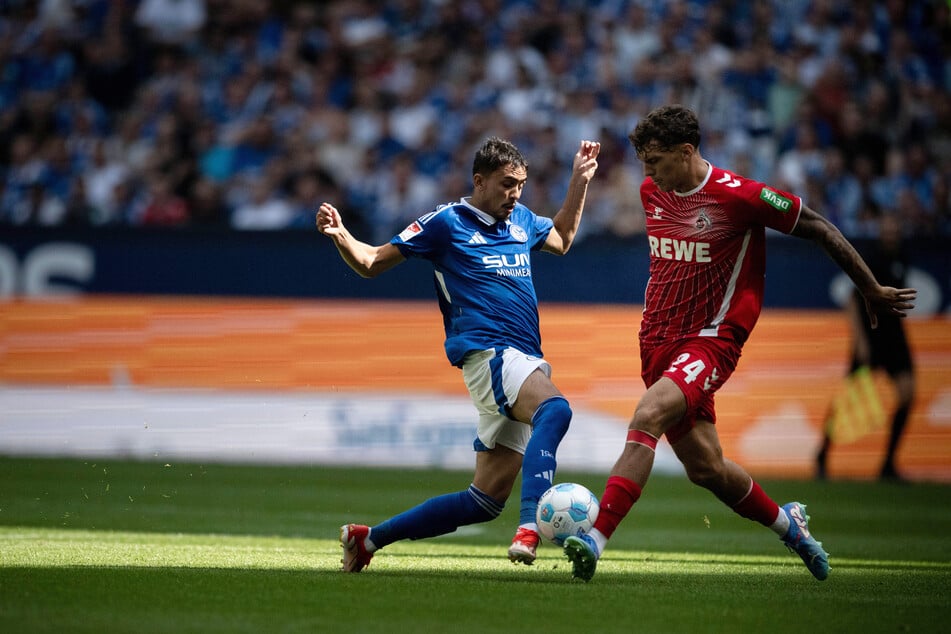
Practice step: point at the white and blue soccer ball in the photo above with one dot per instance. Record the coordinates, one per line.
(566, 509)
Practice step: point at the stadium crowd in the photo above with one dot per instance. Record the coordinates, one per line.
(247, 113)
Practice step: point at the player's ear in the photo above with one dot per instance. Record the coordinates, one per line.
(687, 150)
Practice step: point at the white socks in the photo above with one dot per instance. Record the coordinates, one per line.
(781, 525)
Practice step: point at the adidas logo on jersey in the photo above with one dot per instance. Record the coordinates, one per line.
(477, 238)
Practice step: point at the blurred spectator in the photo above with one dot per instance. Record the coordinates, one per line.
(266, 209)
(635, 37)
(171, 21)
(402, 194)
(856, 138)
(842, 193)
(109, 70)
(802, 162)
(102, 176)
(335, 151)
(162, 207)
(58, 168)
(886, 189)
(24, 171)
(78, 212)
(48, 64)
(207, 205)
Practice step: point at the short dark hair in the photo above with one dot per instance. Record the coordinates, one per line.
(496, 153)
(667, 126)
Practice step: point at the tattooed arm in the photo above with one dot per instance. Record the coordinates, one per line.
(878, 299)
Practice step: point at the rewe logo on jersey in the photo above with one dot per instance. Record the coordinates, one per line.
(680, 250)
(477, 238)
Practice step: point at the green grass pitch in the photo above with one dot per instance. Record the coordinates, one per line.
(109, 546)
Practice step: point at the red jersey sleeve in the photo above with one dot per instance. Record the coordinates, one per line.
(767, 205)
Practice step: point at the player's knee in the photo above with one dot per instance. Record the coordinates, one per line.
(705, 473)
(555, 414)
(650, 418)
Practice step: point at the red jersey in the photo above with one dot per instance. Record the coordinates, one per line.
(708, 256)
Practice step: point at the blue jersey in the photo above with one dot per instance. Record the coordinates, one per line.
(483, 275)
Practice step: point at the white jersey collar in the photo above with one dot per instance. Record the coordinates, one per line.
(702, 183)
(485, 218)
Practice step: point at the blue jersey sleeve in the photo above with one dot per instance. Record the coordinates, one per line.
(426, 237)
(543, 226)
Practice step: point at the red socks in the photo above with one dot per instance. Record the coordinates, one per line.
(620, 494)
(757, 506)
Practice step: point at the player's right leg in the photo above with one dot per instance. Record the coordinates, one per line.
(356, 553)
(511, 390)
(799, 539)
(550, 415)
(661, 406)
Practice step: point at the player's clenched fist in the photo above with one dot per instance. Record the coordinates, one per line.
(328, 219)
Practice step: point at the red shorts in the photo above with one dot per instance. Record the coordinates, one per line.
(699, 366)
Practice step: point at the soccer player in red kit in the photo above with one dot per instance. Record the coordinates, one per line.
(706, 228)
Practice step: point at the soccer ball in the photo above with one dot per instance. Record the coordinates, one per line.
(566, 509)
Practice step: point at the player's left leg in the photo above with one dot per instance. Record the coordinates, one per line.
(702, 456)
(540, 403)
(496, 470)
(483, 501)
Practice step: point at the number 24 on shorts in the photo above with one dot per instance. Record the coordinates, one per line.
(693, 370)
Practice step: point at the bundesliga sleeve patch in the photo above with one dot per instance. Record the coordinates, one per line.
(779, 202)
(411, 231)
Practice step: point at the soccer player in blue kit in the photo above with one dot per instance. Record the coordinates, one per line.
(480, 251)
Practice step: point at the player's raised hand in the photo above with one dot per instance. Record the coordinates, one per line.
(586, 160)
(889, 300)
(328, 220)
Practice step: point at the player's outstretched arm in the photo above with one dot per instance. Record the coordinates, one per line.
(366, 260)
(568, 218)
(878, 299)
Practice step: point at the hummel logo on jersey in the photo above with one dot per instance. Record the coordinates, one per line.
(730, 181)
(477, 238)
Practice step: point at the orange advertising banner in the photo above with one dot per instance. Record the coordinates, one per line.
(770, 413)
